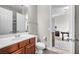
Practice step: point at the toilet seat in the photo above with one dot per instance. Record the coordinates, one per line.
(40, 45)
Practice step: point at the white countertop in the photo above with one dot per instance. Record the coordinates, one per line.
(7, 41)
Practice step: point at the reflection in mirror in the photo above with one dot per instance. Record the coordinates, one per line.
(13, 19)
(5, 21)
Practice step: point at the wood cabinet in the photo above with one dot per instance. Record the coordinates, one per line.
(19, 51)
(31, 48)
(23, 47)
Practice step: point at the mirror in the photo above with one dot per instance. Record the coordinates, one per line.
(13, 19)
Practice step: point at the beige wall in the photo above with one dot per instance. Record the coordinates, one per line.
(32, 21)
(39, 22)
(44, 23)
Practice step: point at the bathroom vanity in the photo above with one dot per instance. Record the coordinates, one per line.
(24, 45)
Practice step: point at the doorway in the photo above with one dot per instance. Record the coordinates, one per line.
(64, 27)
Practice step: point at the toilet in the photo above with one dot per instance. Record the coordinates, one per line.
(40, 47)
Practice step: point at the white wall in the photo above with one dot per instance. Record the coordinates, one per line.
(44, 23)
(71, 17)
(62, 23)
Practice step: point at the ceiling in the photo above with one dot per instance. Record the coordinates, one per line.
(59, 9)
(59, 6)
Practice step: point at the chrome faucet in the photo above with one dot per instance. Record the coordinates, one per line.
(17, 35)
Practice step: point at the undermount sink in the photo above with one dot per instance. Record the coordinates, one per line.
(6, 40)
(13, 38)
(10, 40)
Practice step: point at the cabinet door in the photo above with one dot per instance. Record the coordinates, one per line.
(20, 51)
(9, 49)
(23, 43)
(30, 49)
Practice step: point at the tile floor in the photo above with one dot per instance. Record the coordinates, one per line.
(49, 52)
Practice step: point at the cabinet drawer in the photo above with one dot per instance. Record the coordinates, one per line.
(32, 40)
(23, 43)
(20, 51)
(9, 49)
